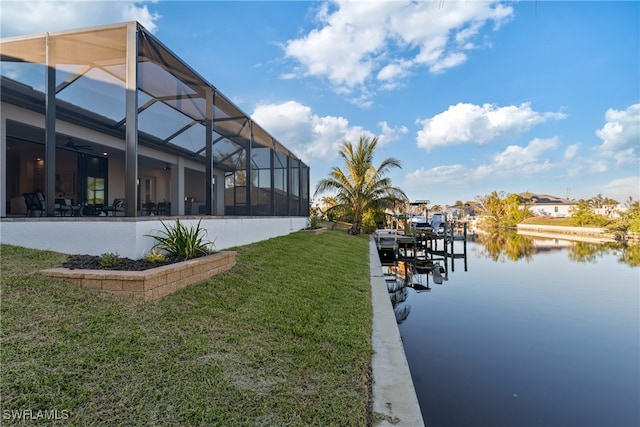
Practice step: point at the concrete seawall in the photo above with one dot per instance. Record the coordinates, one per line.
(394, 397)
(591, 234)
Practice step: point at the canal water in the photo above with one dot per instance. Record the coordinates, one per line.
(524, 332)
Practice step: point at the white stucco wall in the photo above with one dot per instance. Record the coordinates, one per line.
(128, 236)
(554, 211)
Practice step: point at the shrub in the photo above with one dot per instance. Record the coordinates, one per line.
(109, 259)
(156, 257)
(180, 240)
(314, 222)
(628, 222)
(368, 222)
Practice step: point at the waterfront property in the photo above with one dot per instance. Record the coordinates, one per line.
(550, 206)
(105, 128)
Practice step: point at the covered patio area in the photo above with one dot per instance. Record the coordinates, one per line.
(107, 122)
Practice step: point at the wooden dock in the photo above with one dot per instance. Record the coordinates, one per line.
(423, 245)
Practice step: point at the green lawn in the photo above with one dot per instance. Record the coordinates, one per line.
(543, 220)
(284, 338)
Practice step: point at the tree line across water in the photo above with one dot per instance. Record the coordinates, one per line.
(362, 192)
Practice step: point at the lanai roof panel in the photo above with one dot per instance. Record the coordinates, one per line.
(98, 55)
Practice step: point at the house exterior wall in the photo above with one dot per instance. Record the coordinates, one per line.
(552, 210)
(129, 237)
(611, 211)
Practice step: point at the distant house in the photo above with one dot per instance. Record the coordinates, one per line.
(551, 206)
(611, 210)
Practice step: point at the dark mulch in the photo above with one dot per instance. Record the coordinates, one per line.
(92, 262)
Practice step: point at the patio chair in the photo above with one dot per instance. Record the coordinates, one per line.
(163, 208)
(148, 209)
(91, 210)
(118, 205)
(63, 207)
(35, 203)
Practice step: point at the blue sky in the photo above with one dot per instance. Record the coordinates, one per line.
(470, 96)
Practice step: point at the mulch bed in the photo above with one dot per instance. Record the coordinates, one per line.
(92, 262)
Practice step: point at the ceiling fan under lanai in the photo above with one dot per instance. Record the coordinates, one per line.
(77, 147)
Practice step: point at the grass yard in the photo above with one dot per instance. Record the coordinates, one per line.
(284, 338)
(543, 220)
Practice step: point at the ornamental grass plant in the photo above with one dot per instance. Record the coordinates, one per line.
(284, 338)
(183, 241)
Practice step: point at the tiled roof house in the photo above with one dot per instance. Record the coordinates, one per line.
(547, 205)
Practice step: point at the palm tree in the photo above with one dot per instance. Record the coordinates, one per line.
(597, 201)
(361, 186)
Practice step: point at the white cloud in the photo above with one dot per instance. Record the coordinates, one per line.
(356, 41)
(393, 71)
(543, 161)
(595, 165)
(623, 188)
(436, 175)
(524, 159)
(479, 124)
(621, 135)
(31, 17)
(389, 133)
(514, 161)
(342, 49)
(313, 137)
(571, 151)
(451, 60)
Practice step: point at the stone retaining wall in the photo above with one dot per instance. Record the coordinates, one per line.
(148, 284)
(582, 234)
(583, 231)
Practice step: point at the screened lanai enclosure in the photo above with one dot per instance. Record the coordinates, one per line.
(108, 121)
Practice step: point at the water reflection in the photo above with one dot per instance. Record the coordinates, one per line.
(417, 265)
(402, 312)
(420, 264)
(590, 252)
(501, 245)
(631, 255)
(397, 288)
(526, 344)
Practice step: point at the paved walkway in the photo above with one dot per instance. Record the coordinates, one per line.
(394, 398)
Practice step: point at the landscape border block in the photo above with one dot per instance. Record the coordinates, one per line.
(149, 284)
